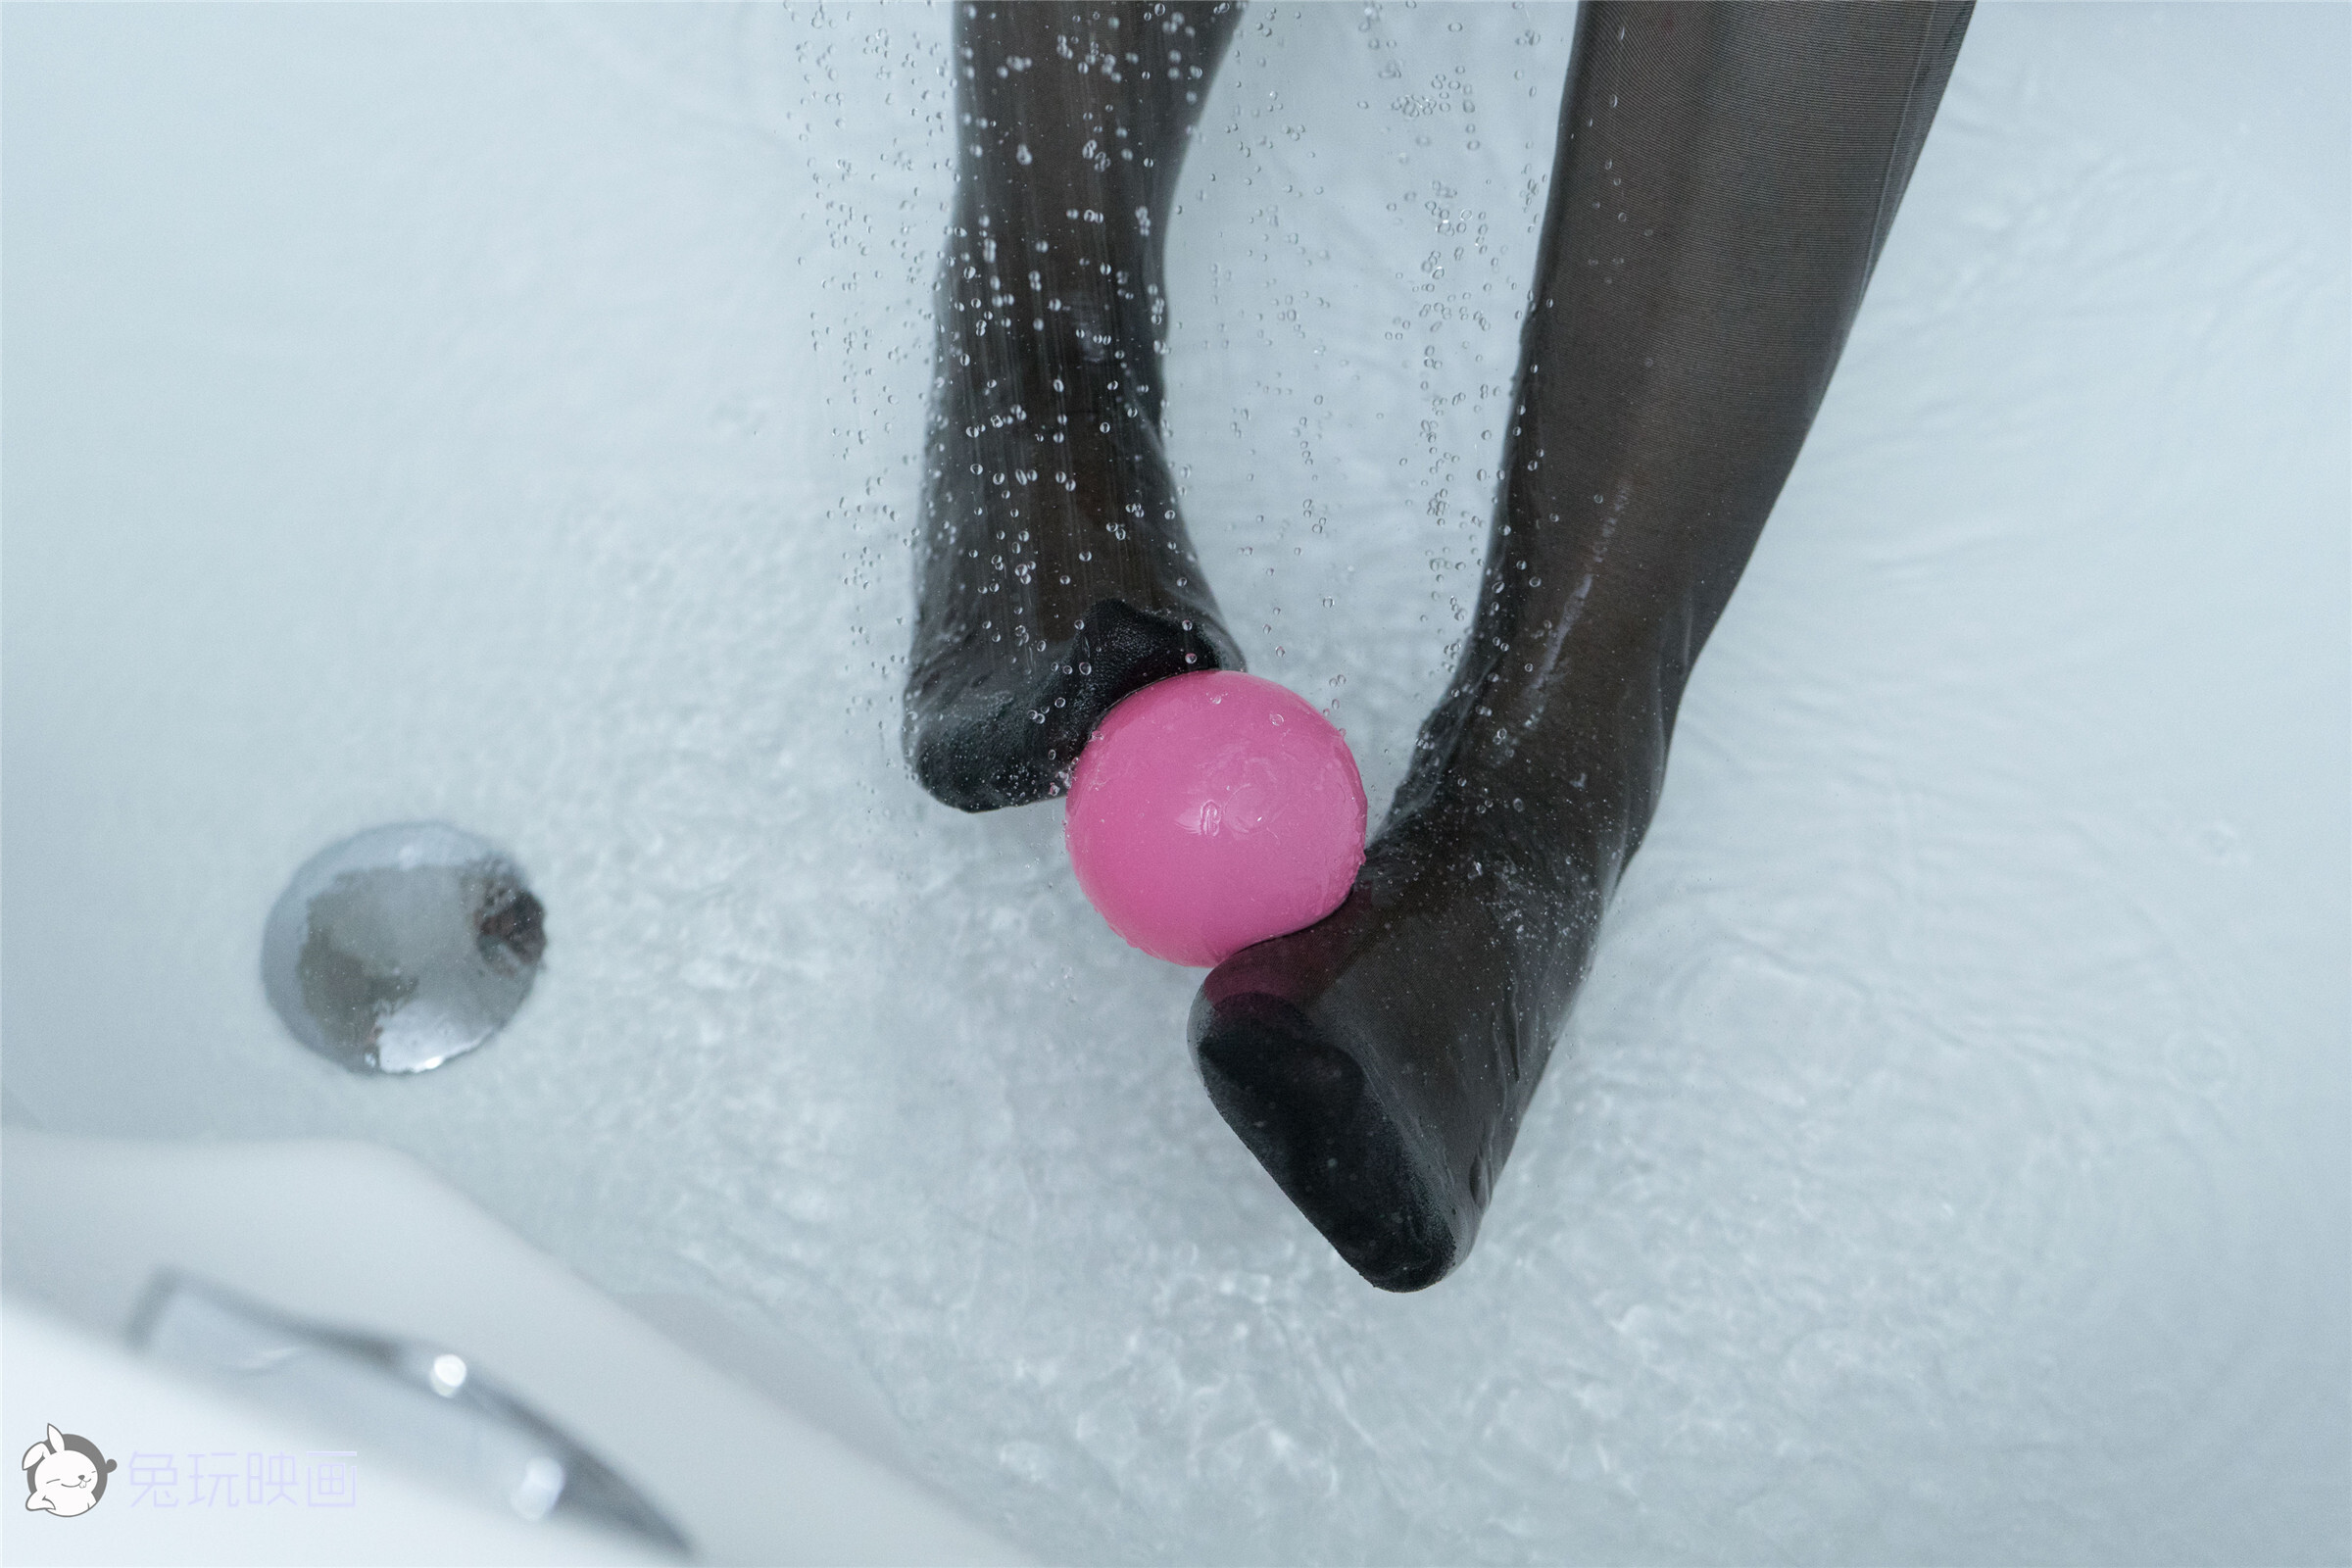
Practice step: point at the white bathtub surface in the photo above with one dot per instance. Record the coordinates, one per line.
(359, 1240)
(55, 1368)
(511, 416)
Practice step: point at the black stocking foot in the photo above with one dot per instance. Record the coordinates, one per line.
(991, 729)
(1056, 577)
(1378, 1063)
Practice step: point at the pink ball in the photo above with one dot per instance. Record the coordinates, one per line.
(1209, 812)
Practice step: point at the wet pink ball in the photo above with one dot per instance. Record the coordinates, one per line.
(1213, 810)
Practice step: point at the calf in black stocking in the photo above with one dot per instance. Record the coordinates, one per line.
(1054, 575)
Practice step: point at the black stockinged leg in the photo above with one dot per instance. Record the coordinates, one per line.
(1053, 575)
(1724, 178)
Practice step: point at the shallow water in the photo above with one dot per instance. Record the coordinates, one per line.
(510, 418)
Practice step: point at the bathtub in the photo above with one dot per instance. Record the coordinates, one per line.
(511, 418)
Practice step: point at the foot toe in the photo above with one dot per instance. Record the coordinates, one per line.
(982, 734)
(1306, 1106)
